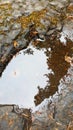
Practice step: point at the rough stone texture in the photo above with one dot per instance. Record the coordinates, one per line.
(9, 120)
(17, 18)
(20, 23)
(57, 111)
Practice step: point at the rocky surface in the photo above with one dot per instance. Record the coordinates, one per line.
(33, 22)
(19, 26)
(14, 118)
(57, 111)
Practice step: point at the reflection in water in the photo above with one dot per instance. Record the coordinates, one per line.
(25, 72)
(22, 76)
(56, 62)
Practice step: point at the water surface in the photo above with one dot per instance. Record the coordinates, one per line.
(23, 74)
(35, 73)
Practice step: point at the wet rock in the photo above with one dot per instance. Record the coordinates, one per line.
(16, 26)
(67, 30)
(45, 23)
(15, 6)
(59, 26)
(22, 43)
(57, 111)
(13, 33)
(59, 4)
(48, 18)
(6, 39)
(22, 11)
(50, 32)
(16, 14)
(12, 121)
(1, 21)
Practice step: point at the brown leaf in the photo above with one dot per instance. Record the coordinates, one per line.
(68, 59)
(3, 59)
(10, 122)
(15, 44)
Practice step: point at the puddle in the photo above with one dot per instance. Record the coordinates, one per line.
(19, 81)
(31, 78)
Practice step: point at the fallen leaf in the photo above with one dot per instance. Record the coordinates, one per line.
(58, 123)
(30, 128)
(56, 129)
(3, 59)
(10, 122)
(33, 118)
(70, 17)
(6, 113)
(35, 32)
(68, 59)
(15, 44)
(70, 126)
(50, 116)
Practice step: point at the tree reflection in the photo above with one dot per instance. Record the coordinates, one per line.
(56, 62)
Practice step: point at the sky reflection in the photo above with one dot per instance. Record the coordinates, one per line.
(18, 84)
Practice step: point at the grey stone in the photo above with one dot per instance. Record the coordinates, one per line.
(10, 120)
(50, 32)
(16, 26)
(16, 14)
(13, 33)
(58, 113)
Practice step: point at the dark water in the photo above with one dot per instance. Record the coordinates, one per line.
(34, 74)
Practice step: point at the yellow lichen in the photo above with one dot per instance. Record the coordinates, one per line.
(53, 20)
(5, 6)
(5, 9)
(33, 17)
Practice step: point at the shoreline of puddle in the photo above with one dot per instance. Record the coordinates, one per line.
(28, 74)
(21, 78)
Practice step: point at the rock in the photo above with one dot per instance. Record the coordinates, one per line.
(11, 121)
(16, 26)
(50, 32)
(13, 33)
(16, 14)
(57, 111)
(48, 17)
